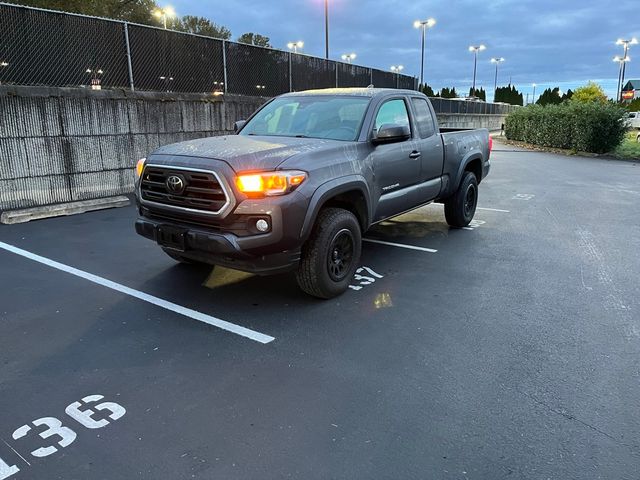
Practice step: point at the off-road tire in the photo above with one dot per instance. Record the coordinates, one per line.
(460, 208)
(327, 267)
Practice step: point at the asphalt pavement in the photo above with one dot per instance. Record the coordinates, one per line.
(510, 349)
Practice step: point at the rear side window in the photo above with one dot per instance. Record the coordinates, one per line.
(424, 119)
(392, 111)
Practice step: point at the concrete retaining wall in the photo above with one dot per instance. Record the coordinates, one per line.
(60, 145)
(64, 144)
(470, 120)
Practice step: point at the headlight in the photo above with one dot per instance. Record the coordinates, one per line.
(269, 183)
(140, 167)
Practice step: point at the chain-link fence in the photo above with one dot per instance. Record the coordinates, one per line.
(461, 106)
(43, 47)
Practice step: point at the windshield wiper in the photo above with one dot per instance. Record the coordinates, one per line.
(301, 136)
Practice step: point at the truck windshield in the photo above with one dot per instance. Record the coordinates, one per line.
(317, 116)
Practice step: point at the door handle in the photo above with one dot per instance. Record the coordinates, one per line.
(415, 154)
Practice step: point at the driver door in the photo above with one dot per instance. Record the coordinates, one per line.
(396, 166)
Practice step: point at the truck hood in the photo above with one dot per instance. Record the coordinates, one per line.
(246, 152)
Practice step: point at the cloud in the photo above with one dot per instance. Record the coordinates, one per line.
(546, 41)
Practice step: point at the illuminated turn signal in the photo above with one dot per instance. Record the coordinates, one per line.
(269, 183)
(140, 167)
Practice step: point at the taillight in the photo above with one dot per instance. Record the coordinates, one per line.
(490, 143)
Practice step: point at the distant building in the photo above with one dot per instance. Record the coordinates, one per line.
(631, 90)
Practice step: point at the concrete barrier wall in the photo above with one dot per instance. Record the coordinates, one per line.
(68, 144)
(61, 145)
(470, 120)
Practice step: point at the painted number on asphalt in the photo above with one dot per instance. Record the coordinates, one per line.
(523, 196)
(82, 412)
(474, 224)
(364, 280)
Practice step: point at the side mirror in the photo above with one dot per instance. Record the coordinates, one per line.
(238, 125)
(390, 132)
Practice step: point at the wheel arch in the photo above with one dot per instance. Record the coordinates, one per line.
(350, 193)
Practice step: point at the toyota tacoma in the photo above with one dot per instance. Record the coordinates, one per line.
(303, 179)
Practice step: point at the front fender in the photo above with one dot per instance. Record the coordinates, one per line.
(330, 189)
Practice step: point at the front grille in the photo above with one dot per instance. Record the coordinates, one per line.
(202, 190)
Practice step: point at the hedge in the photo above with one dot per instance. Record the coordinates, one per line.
(585, 127)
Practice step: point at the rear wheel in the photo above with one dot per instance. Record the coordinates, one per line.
(460, 208)
(331, 255)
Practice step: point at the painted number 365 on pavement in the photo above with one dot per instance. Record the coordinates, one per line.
(84, 412)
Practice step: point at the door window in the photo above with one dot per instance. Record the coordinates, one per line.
(424, 119)
(394, 112)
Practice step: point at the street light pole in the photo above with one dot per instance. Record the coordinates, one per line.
(534, 94)
(423, 24)
(620, 61)
(348, 57)
(163, 13)
(497, 61)
(397, 71)
(625, 59)
(475, 50)
(295, 45)
(326, 29)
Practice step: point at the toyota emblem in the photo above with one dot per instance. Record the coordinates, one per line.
(175, 184)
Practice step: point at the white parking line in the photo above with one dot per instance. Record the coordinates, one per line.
(401, 245)
(493, 209)
(187, 312)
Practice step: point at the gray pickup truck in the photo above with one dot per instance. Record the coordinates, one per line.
(303, 179)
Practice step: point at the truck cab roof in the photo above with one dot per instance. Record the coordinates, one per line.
(356, 92)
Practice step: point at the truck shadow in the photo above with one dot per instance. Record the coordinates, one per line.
(398, 228)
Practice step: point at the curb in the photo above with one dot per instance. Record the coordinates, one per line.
(62, 209)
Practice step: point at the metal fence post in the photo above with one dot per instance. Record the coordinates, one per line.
(290, 79)
(224, 64)
(126, 40)
(336, 74)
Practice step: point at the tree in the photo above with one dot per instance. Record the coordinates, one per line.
(550, 97)
(254, 39)
(448, 92)
(633, 106)
(138, 11)
(427, 90)
(478, 93)
(568, 95)
(591, 92)
(202, 26)
(509, 95)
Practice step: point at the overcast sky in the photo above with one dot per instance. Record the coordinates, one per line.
(548, 42)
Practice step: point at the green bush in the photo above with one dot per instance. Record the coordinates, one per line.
(580, 126)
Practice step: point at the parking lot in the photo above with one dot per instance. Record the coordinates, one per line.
(509, 349)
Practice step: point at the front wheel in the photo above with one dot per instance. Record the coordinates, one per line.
(460, 208)
(331, 255)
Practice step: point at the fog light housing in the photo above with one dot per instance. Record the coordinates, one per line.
(262, 225)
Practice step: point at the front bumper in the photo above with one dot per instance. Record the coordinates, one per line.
(223, 249)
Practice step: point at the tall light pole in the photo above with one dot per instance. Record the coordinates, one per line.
(475, 50)
(163, 13)
(625, 45)
(621, 61)
(326, 29)
(423, 24)
(397, 69)
(534, 93)
(295, 45)
(348, 57)
(497, 61)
